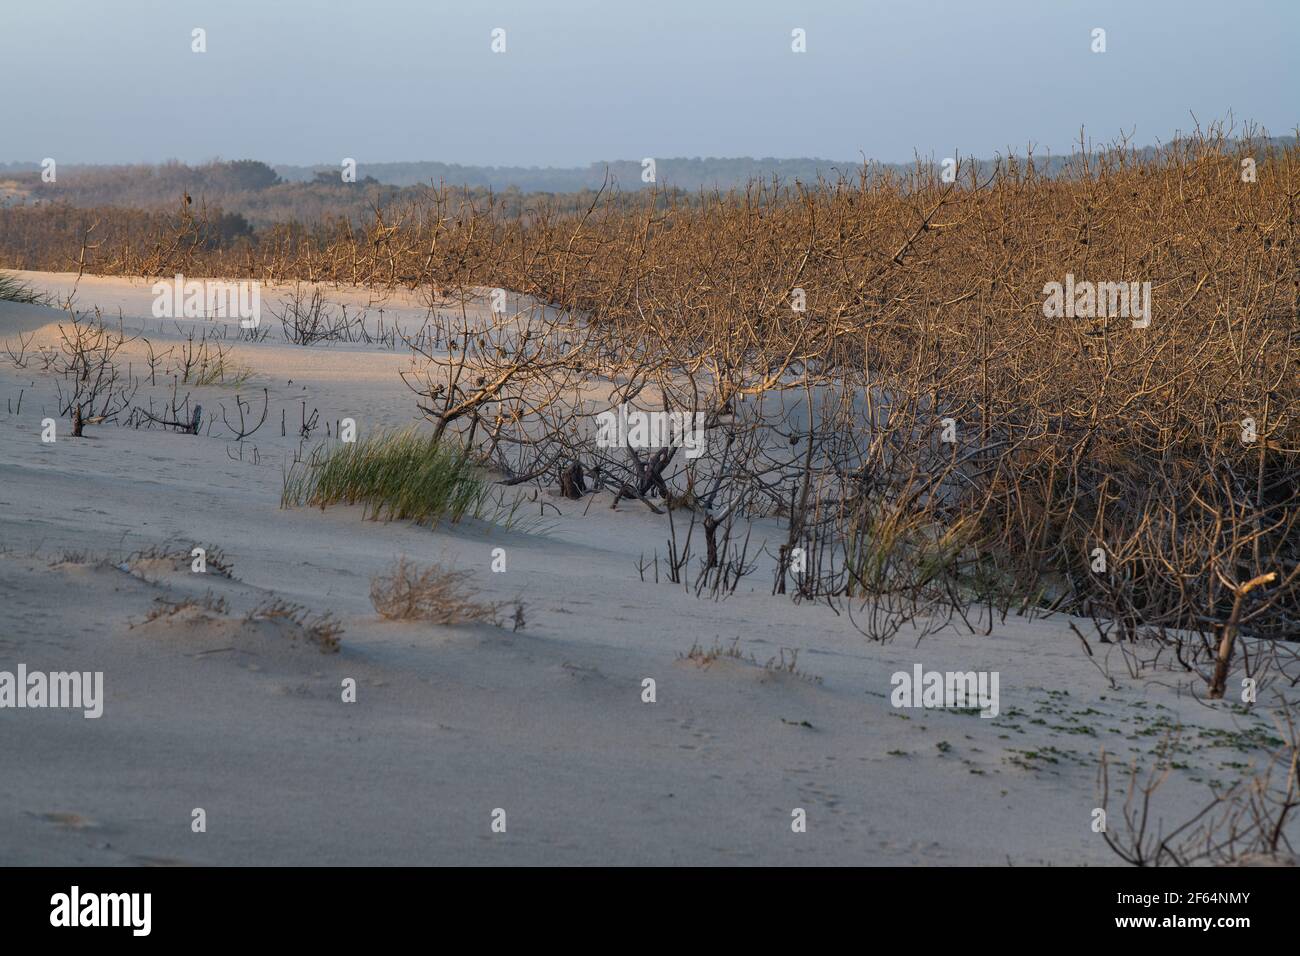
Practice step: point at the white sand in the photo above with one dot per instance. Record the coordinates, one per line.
(451, 723)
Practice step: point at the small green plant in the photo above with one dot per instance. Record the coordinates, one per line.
(779, 665)
(394, 474)
(701, 657)
(223, 373)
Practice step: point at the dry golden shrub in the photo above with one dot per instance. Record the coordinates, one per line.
(436, 593)
(890, 306)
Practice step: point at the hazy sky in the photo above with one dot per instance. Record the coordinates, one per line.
(302, 81)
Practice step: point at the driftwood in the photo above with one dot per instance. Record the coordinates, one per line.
(190, 428)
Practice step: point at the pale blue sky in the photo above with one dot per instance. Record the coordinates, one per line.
(300, 81)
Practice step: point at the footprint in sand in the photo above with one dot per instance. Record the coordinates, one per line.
(67, 821)
(158, 861)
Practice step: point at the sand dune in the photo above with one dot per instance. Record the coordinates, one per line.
(208, 706)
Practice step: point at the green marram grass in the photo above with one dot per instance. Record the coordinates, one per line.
(223, 373)
(15, 290)
(399, 475)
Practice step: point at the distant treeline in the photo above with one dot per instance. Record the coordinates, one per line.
(264, 194)
(686, 174)
(134, 183)
(248, 189)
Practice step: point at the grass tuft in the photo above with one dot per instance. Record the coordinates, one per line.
(395, 475)
(15, 290)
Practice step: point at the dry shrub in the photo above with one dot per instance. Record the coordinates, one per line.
(438, 594)
(165, 610)
(1171, 449)
(319, 629)
(706, 657)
